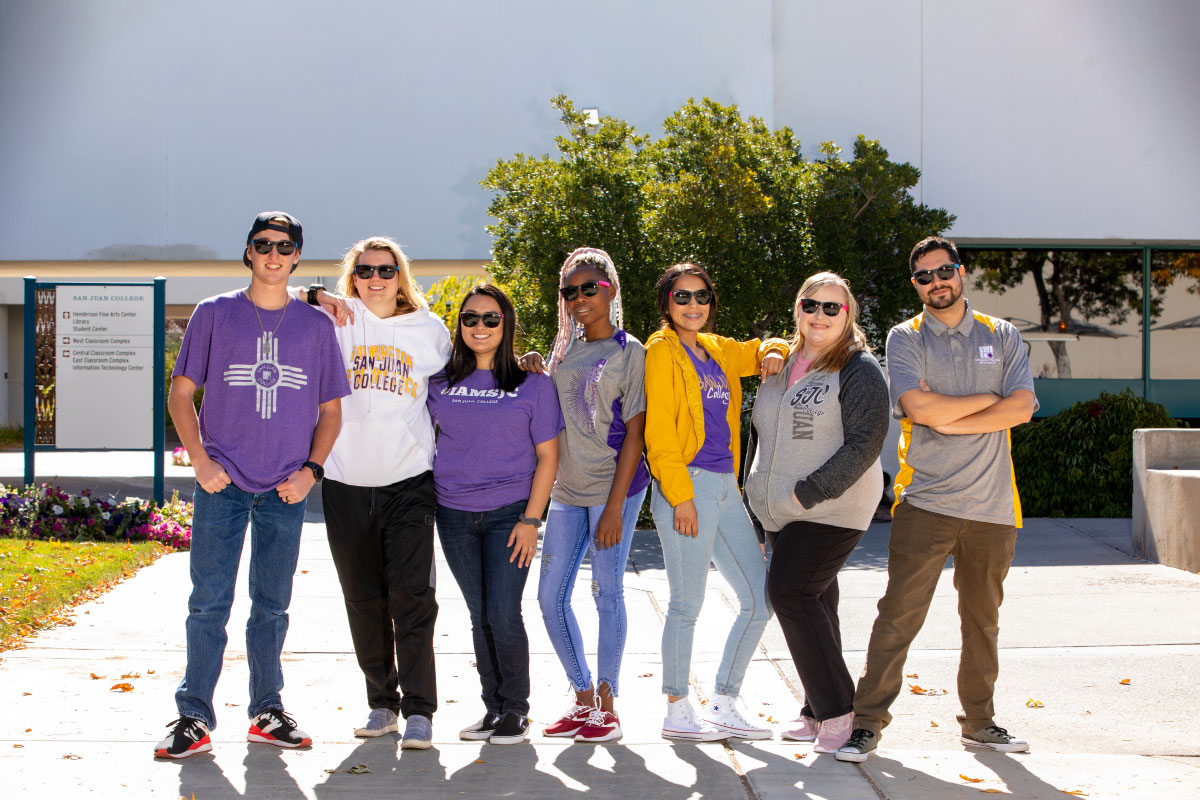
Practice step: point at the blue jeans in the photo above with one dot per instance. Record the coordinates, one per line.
(476, 547)
(218, 531)
(570, 532)
(725, 537)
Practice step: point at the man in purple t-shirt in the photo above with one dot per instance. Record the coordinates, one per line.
(273, 381)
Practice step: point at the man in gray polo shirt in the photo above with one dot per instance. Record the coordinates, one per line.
(959, 381)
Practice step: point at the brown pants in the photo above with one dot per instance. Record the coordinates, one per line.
(920, 542)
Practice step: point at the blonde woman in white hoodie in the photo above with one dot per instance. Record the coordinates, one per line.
(378, 492)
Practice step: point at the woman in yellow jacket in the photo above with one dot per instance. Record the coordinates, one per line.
(693, 410)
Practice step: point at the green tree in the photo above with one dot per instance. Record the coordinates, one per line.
(720, 189)
(865, 223)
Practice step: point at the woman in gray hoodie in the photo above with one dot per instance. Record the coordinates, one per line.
(813, 483)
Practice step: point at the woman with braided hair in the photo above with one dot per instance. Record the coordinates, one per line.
(598, 370)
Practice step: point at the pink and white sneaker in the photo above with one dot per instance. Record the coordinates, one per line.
(570, 723)
(805, 730)
(601, 726)
(834, 733)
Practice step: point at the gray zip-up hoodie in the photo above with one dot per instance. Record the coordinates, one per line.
(818, 445)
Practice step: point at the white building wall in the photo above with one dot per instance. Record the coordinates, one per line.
(1056, 119)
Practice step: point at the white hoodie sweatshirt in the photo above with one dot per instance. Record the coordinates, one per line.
(386, 433)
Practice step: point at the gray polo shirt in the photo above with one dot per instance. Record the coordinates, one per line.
(969, 476)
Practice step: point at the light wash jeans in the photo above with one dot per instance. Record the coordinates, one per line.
(218, 531)
(726, 538)
(571, 532)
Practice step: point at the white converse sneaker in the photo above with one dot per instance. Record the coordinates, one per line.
(681, 722)
(722, 712)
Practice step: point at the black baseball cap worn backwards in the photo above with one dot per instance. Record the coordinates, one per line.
(263, 223)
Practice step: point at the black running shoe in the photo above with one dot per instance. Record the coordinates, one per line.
(276, 727)
(188, 737)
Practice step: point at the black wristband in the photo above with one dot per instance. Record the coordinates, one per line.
(312, 293)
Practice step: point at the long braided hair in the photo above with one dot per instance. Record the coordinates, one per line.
(568, 331)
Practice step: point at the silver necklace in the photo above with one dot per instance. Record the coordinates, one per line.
(246, 294)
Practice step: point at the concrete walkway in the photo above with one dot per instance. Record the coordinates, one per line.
(1080, 616)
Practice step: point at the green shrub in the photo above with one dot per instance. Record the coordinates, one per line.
(1079, 462)
(171, 353)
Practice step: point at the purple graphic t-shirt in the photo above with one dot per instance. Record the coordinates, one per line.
(715, 454)
(262, 384)
(601, 385)
(485, 455)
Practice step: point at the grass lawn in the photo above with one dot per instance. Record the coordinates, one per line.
(40, 581)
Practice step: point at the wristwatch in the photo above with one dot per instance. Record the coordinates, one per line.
(317, 470)
(312, 298)
(534, 521)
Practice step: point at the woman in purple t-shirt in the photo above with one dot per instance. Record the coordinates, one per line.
(497, 453)
(693, 407)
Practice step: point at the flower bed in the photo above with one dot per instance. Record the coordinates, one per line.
(48, 513)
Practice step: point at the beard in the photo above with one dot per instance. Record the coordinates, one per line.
(946, 300)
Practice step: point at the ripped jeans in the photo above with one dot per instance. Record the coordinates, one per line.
(570, 533)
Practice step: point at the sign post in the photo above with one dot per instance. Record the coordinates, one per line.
(103, 388)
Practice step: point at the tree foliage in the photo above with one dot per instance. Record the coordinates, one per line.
(1076, 285)
(719, 189)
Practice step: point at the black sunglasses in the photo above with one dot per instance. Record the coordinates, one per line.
(682, 296)
(490, 319)
(944, 273)
(263, 246)
(588, 288)
(810, 306)
(387, 271)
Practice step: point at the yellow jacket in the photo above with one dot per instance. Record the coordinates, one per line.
(675, 411)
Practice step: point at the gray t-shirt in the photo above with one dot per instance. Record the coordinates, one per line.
(969, 476)
(601, 385)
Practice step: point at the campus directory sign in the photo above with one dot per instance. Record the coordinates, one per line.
(104, 352)
(94, 362)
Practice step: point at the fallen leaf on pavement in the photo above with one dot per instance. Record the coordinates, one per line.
(121, 687)
(915, 689)
(26, 694)
(646, 675)
(303, 572)
(131, 675)
(96, 677)
(800, 755)
(1074, 791)
(480, 761)
(992, 791)
(933, 724)
(231, 705)
(914, 675)
(358, 769)
(18, 745)
(1031, 703)
(772, 720)
(1125, 681)
(451, 701)
(972, 780)
(72, 757)
(27, 730)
